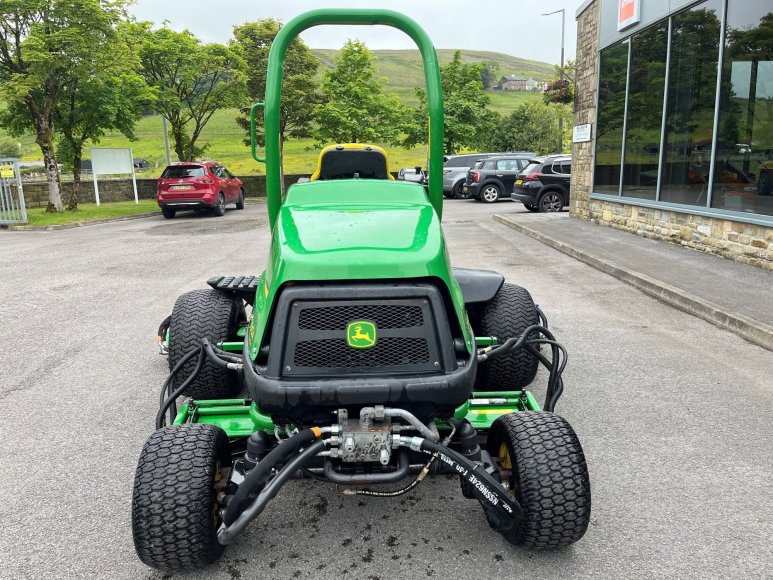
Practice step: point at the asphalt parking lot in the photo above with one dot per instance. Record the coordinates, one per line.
(675, 416)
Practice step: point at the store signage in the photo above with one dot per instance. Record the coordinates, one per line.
(581, 133)
(628, 13)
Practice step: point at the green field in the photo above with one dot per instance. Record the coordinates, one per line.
(403, 71)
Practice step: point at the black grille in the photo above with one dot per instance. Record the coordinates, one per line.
(384, 315)
(316, 342)
(388, 352)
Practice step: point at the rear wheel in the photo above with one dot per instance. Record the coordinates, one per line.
(459, 191)
(507, 315)
(174, 510)
(548, 477)
(219, 208)
(204, 314)
(240, 201)
(490, 193)
(531, 207)
(551, 202)
(168, 212)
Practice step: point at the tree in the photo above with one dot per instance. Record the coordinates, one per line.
(299, 84)
(532, 126)
(44, 46)
(468, 121)
(489, 74)
(111, 99)
(9, 147)
(192, 81)
(355, 108)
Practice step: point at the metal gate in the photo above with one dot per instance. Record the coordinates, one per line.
(12, 208)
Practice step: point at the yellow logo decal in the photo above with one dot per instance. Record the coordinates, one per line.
(361, 334)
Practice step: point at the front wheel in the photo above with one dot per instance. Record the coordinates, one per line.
(548, 477)
(175, 515)
(240, 201)
(551, 202)
(219, 208)
(490, 193)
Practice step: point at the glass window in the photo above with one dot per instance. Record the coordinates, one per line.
(609, 124)
(533, 167)
(507, 165)
(566, 167)
(692, 84)
(645, 112)
(182, 171)
(743, 170)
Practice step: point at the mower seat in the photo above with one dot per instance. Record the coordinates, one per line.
(352, 161)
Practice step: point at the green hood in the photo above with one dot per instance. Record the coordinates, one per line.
(353, 230)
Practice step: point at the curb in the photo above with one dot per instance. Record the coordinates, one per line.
(752, 330)
(54, 227)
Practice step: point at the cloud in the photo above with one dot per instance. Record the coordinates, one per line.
(515, 28)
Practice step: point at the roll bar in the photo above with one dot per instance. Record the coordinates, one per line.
(271, 109)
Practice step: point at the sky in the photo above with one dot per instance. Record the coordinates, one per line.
(513, 27)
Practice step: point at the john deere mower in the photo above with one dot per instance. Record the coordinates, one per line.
(359, 358)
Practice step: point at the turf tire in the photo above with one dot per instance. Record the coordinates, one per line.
(508, 314)
(204, 314)
(173, 520)
(549, 478)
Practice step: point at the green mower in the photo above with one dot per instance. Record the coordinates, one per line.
(358, 358)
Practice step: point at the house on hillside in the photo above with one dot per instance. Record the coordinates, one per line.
(512, 83)
(532, 85)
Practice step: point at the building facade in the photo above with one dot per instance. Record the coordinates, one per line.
(679, 98)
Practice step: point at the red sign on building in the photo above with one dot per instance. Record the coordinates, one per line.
(628, 13)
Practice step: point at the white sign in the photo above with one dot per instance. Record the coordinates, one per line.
(112, 162)
(628, 13)
(581, 133)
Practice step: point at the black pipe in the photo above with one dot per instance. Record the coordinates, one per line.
(228, 532)
(179, 391)
(502, 509)
(388, 477)
(256, 477)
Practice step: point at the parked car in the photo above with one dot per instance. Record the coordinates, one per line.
(455, 169)
(544, 184)
(198, 186)
(415, 174)
(455, 172)
(492, 178)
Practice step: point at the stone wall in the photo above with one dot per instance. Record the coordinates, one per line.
(750, 244)
(36, 192)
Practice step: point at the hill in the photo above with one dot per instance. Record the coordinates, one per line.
(403, 71)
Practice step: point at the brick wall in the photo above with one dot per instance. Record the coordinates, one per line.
(750, 244)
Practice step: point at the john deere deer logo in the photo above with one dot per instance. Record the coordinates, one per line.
(361, 334)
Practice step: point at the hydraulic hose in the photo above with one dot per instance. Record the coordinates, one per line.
(502, 509)
(257, 476)
(229, 531)
(170, 401)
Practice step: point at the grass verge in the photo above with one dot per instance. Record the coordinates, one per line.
(87, 212)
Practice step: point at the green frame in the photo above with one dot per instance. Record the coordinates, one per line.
(239, 418)
(271, 106)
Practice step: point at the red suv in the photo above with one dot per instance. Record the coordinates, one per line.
(198, 186)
